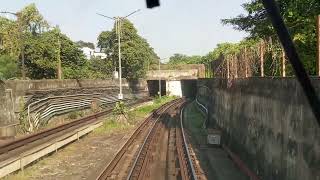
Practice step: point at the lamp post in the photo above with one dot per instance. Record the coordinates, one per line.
(118, 31)
(159, 80)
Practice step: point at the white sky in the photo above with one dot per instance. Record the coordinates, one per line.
(192, 29)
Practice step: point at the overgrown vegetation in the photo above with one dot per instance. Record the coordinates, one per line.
(300, 18)
(112, 123)
(120, 111)
(75, 115)
(193, 121)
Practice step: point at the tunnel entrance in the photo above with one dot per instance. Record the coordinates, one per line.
(189, 88)
(153, 86)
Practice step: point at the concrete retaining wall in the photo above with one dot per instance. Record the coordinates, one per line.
(268, 123)
(21, 87)
(16, 94)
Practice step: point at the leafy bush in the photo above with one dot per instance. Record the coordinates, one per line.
(8, 67)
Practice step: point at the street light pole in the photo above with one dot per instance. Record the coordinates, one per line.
(59, 59)
(118, 30)
(118, 24)
(159, 80)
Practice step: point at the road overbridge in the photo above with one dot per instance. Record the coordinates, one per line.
(176, 81)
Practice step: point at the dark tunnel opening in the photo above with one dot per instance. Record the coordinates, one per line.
(189, 88)
(153, 87)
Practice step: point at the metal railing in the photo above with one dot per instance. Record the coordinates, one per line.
(41, 111)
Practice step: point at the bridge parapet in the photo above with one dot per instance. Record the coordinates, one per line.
(173, 74)
(177, 72)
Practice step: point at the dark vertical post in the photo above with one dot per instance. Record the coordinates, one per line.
(318, 45)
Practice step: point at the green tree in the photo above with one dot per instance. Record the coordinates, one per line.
(41, 54)
(106, 39)
(40, 45)
(8, 67)
(184, 59)
(9, 44)
(136, 53)
(85, 44)
(100, 68)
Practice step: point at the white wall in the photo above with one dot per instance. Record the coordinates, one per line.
(174, 88)
(88, 52)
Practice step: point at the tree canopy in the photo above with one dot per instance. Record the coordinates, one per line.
(41, 45)
(184, 59)
(136, 53)
(85, 44)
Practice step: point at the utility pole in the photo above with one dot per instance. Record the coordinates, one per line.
(318, 45)
(59, 59)
(23, 67)
(118, 31)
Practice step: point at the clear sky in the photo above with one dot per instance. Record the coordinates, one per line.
(192, 29)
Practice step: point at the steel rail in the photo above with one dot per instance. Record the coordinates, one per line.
(147, 138)
(116, 159)
(193, 172)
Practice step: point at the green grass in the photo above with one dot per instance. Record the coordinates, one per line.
(112, 124)
(193, 120)
(144, 110)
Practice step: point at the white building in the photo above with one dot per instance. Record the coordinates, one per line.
(90, 53)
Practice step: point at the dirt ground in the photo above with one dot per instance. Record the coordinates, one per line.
(80, 160)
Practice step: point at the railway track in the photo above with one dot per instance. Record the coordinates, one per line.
(16, 154)
(158, 149)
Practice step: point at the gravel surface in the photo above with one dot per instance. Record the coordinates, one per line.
(80, 160)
